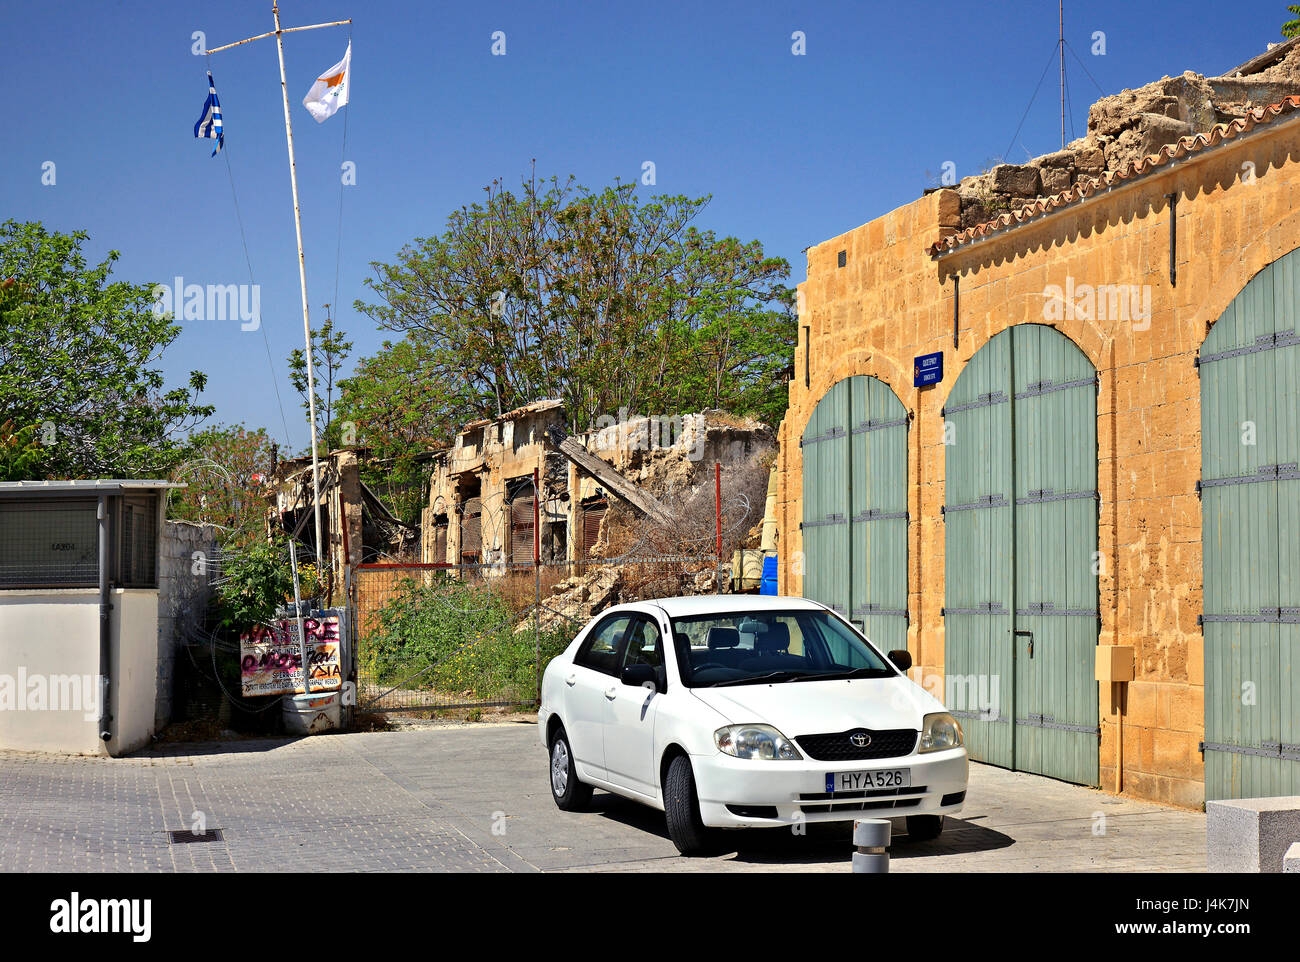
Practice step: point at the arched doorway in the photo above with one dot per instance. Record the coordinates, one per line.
(1249, 366)
(855, 507)
(1021, 617)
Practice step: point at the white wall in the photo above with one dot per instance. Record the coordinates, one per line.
(49, 637)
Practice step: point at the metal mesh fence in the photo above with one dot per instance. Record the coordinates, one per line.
(54, 543)
(48, 543)
(478, 631)
(431, 637)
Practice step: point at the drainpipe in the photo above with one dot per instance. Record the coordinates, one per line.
(105, 625)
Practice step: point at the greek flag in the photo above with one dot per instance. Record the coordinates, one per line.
(209, 124)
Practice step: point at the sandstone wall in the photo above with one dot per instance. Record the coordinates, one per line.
(1238, 210)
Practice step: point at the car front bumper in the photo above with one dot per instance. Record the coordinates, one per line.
(739, 793)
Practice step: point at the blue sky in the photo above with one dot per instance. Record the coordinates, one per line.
(793, 149)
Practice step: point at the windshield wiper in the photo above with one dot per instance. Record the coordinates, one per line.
(754, 679)
(851, 673)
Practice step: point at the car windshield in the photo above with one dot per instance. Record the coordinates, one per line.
(742, 648)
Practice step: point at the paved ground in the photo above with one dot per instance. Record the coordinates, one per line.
(476, 799)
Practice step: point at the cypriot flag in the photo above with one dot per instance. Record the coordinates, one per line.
(330, 91)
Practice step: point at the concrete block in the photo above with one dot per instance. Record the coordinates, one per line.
(1251, 834)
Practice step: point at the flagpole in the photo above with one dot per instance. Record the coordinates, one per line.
(302, 266)
(302, 280)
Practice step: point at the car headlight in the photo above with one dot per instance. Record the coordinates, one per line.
(939, 731)
(755, 741)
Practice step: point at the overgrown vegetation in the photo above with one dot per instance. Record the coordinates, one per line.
(257, 580)
(465, 632)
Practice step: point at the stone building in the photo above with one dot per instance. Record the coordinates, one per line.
(1085, 531)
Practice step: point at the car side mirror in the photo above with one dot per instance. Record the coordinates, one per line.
(902, 659)
(640, 676)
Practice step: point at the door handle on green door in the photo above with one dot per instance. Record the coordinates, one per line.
(1030, 635)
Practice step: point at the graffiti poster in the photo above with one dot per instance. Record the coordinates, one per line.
(271, 658)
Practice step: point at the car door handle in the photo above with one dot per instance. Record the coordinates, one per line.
(571, 680)
(612, 693)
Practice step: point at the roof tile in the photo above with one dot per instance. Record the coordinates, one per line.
(1129, 171)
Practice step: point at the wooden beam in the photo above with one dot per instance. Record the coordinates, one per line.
(611, 478)
(1264, 60)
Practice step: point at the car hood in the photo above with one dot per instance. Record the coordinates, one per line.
(813, 707)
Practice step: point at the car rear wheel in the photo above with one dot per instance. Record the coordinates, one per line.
(682, 809)
(922, 828)
(570, 794)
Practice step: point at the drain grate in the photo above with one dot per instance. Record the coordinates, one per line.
(186, 837)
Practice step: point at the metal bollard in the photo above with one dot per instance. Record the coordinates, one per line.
(871, 836)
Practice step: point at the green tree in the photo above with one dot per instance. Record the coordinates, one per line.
(399, 412)
(396, 406)
(77, 356)
(330, 350)
(599, 298)
(223, 474)
(1292, 27)
(20, 455)
(258, 579)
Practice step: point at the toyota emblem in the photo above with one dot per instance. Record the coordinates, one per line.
(860, 739)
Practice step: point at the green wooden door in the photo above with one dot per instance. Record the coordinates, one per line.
(855, 508)
(978, 536)
(1020, 609)
(1250, 512)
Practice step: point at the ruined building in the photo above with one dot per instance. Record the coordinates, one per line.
(482, 501)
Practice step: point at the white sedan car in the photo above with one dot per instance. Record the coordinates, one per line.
(746, 711)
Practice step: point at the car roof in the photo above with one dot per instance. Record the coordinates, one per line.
(686, 606)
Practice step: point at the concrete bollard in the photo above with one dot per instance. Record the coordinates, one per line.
(1291, 860)
(1250, 834)
(871, 836)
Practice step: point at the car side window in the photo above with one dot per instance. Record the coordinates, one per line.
(600, 652)
(644, 645)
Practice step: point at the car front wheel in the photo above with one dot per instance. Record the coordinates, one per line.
(922, 828)
(682, 809)
(570, 794)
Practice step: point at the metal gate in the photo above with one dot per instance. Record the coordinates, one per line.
(1250, 510)
(1020, 607)
(855, 507)
(431, 637)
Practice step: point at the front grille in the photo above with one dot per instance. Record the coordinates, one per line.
(837, 747)
(860, 806)
(873, 793)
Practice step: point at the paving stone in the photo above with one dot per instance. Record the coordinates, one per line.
(476, 799)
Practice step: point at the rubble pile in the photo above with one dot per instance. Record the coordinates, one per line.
(1122, 129)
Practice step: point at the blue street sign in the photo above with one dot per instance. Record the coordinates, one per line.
(927, 369)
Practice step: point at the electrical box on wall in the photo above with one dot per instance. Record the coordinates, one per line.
(1114, 663)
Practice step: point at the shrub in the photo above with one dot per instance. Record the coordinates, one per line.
(254, 582)
(458, 638)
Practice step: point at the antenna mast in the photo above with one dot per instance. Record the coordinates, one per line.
(1061, 48)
